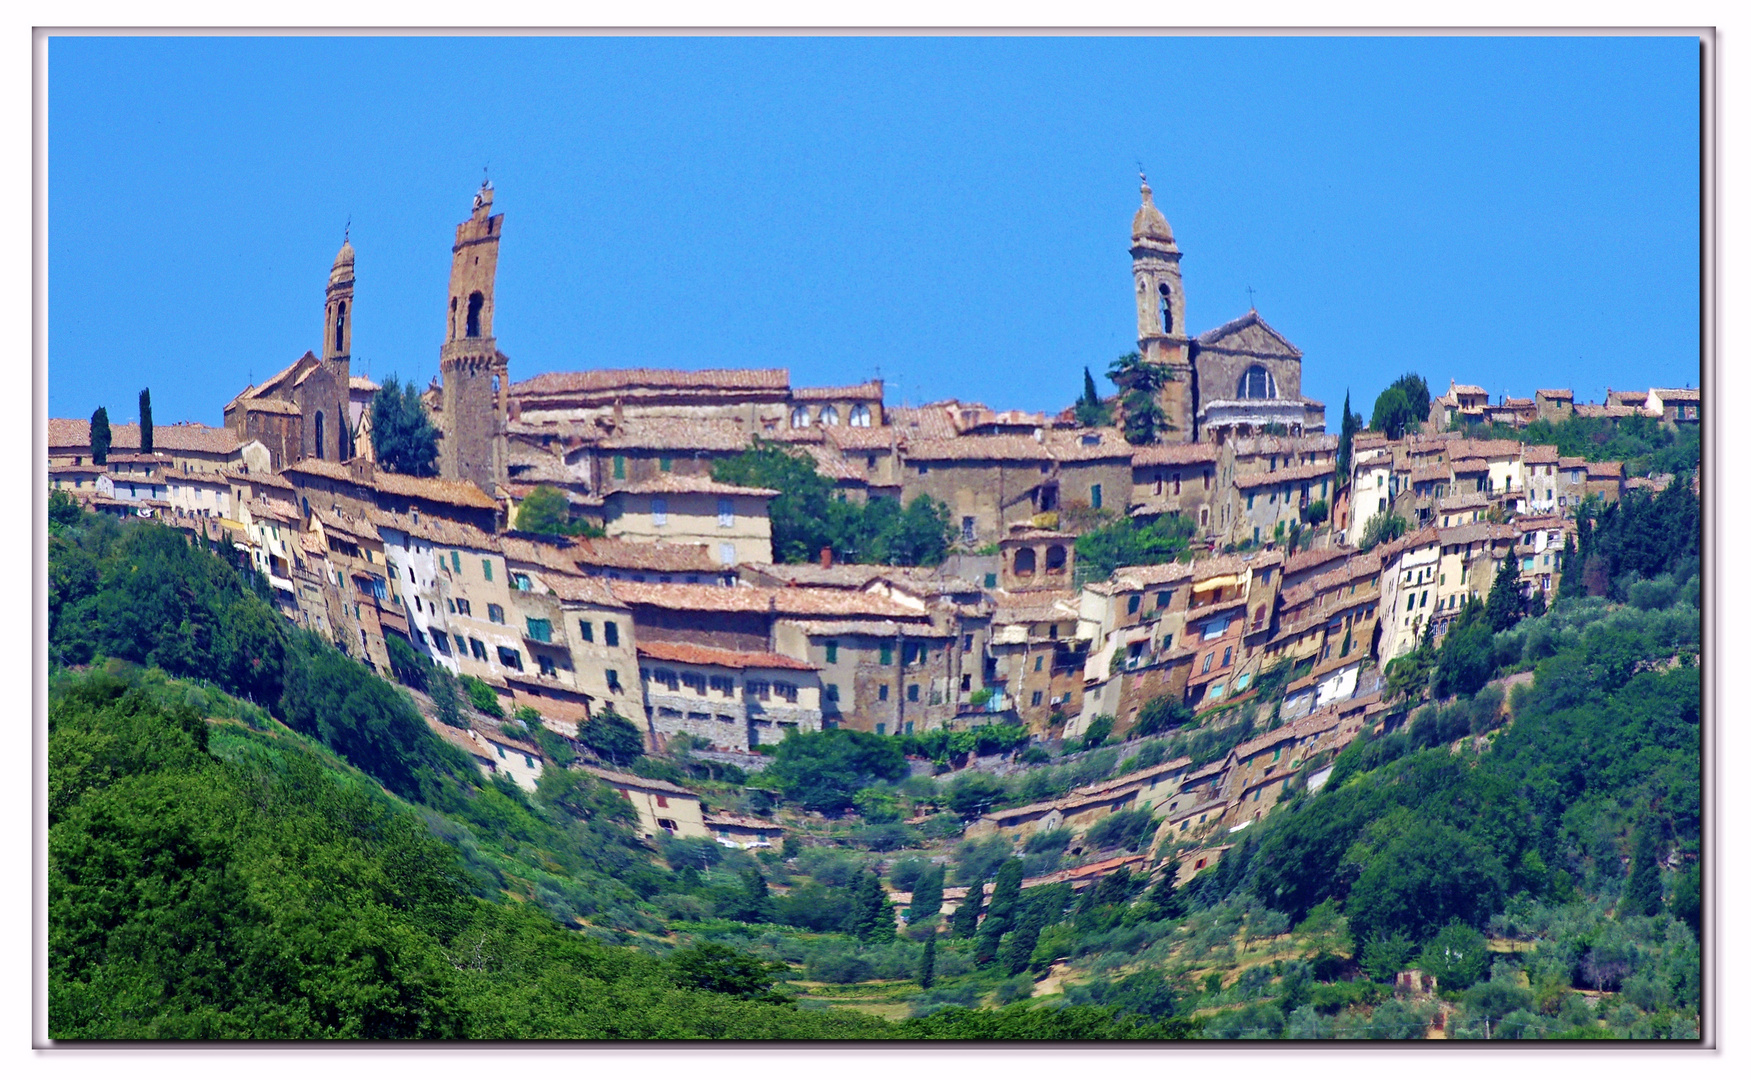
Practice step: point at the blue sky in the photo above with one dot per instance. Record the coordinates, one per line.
(1517, 213)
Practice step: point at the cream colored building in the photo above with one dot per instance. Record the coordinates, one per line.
(730, 520)
(662, 807)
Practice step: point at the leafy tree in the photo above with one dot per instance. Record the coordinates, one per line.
(100, 436)
(546, 511)
(1162, 714)
(612, 736)
(1128, 542)
(1467, 654)
(1384, 957)
(1686, 902)
(1099, 729)
(824, 770)
(972, 793)
(1457, 956)
(482, 696)
(1141, 382)
(1641, 894)
(1382, 529)
(1507, 603)
(1416, 394)
(1166, 896)
(927, 964)
(146, 421)
(927, 894)
(63, 509)
(1431, 874)
(720, 969)
(1091, 411)
(1316, 513)
(1392, 413)
(403, 439)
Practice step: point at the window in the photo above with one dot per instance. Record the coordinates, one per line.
(887, 653)
(882, 729)
(881, 695)
(693, 681)
(726, 554)
(462, 607)
(586, 631)
(546, 663)
(1176, 484)
(726, 512)
(666, 464)
(759, 688)
(830, 417)
(540, 630)
(923, 470)
(1132, 604)
(990, 581)
(456, 562)
(832, 652)
(1038, 661)
(1257, 383)
(969, 529)
(659, 510)
(520, 582)
(610, 633)
(477, 649)
(1094, 496)
(860, 416)
(495, 613)
(613, 678)
(799, 417)
(1208, 660)
(442, 641)
(619, 466)
(1227, 656)
(510, 658)
(1277, 755)
(1036, 697)
(832, 692)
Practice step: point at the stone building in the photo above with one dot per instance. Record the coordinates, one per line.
(1169, 478)
(1240, 378)
(475, 375)
(730, 521)
(304, 411)
(733, 699)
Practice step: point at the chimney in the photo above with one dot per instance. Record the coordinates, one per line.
(364, 470)
(619, 416)
(827, 558)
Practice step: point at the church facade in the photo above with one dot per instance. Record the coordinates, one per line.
(1242, 378)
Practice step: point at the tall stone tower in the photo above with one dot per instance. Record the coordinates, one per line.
(1161, 315)
(337, 348)
(476, 382)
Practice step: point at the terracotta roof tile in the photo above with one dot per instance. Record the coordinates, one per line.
(429, 489)
(437, 529)
(677, 433)
(620, 779)
(584, 590)
(657, 557)
(1565, 395)
(632, 380)
(869, 391)
(677, 653)
(681, 484)
(1174, 454)
(1294, 474)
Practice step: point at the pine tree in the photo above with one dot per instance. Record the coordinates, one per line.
(100, 436)
(1641, 895)
(927, 965)
(146, 421)
(402, 436)
(927, 894)
(965, 921)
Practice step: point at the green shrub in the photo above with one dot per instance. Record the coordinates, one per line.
(482, 696)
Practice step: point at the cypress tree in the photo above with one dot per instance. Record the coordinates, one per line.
(927, 966)
(1000, 919)
(1506, 603)
(1017, 947)
(965, 921)
(927, 894)
(100, 436)
(1166, 896)
(870, 915)
(1641, 895)
(1346, 438)
(758, 905)
(146, 421)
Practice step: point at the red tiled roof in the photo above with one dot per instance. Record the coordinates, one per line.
(648, 379)
(430, 489)
(676, 653)
(681, 484)
(1174, 454)
(677, 433)
(869, 391)
(583, 590)
(1560, 394)
(1295, 474)
(655, 557)
(620, 779)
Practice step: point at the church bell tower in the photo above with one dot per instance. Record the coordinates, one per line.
(1161, 315)
(337, 347)
(476, 382)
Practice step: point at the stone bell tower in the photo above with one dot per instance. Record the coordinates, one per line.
(476, 382)
(1161, 315)
(337, 347)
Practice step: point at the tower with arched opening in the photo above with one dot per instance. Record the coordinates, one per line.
(1161, 313)
(476, 381)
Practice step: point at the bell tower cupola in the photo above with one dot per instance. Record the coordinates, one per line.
(1161, 312)
(337, 311)
(476, 379)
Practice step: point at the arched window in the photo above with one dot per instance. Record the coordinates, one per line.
(1024, 562)
(830, 417)
(452, 316)
(1257, 383)
(1056, 557)
(475, 303)
(319, 420)
(860, 416)
(340, 322)
(1166, 308)
(799, 417)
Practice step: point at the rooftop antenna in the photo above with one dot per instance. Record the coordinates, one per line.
(1140, 174)
(1249, 299)
(346, 236)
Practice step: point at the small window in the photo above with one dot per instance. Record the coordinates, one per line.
(586, 631)
(829, 417)
(486, 568)
(832, 652)
(860, 416)
(659, 510)
(666, 464)
(1094, 496)
(510, 658)
(619, 466)
(520, 582)
(546, 664)
(726, 512)
(610, 633)
(613, 678)
(887, 653)
(456, 562)
(477, 649)
(540, 630)
(495, 613)
(1133, 603)
(832, 692)
(882, 729)
(799, 417)
(881, 695)
(1036, 697)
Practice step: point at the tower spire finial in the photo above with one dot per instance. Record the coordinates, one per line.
(346, 236)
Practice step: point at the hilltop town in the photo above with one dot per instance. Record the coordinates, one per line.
(1194, 561)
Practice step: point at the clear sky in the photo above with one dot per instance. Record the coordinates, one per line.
(1517, 213)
